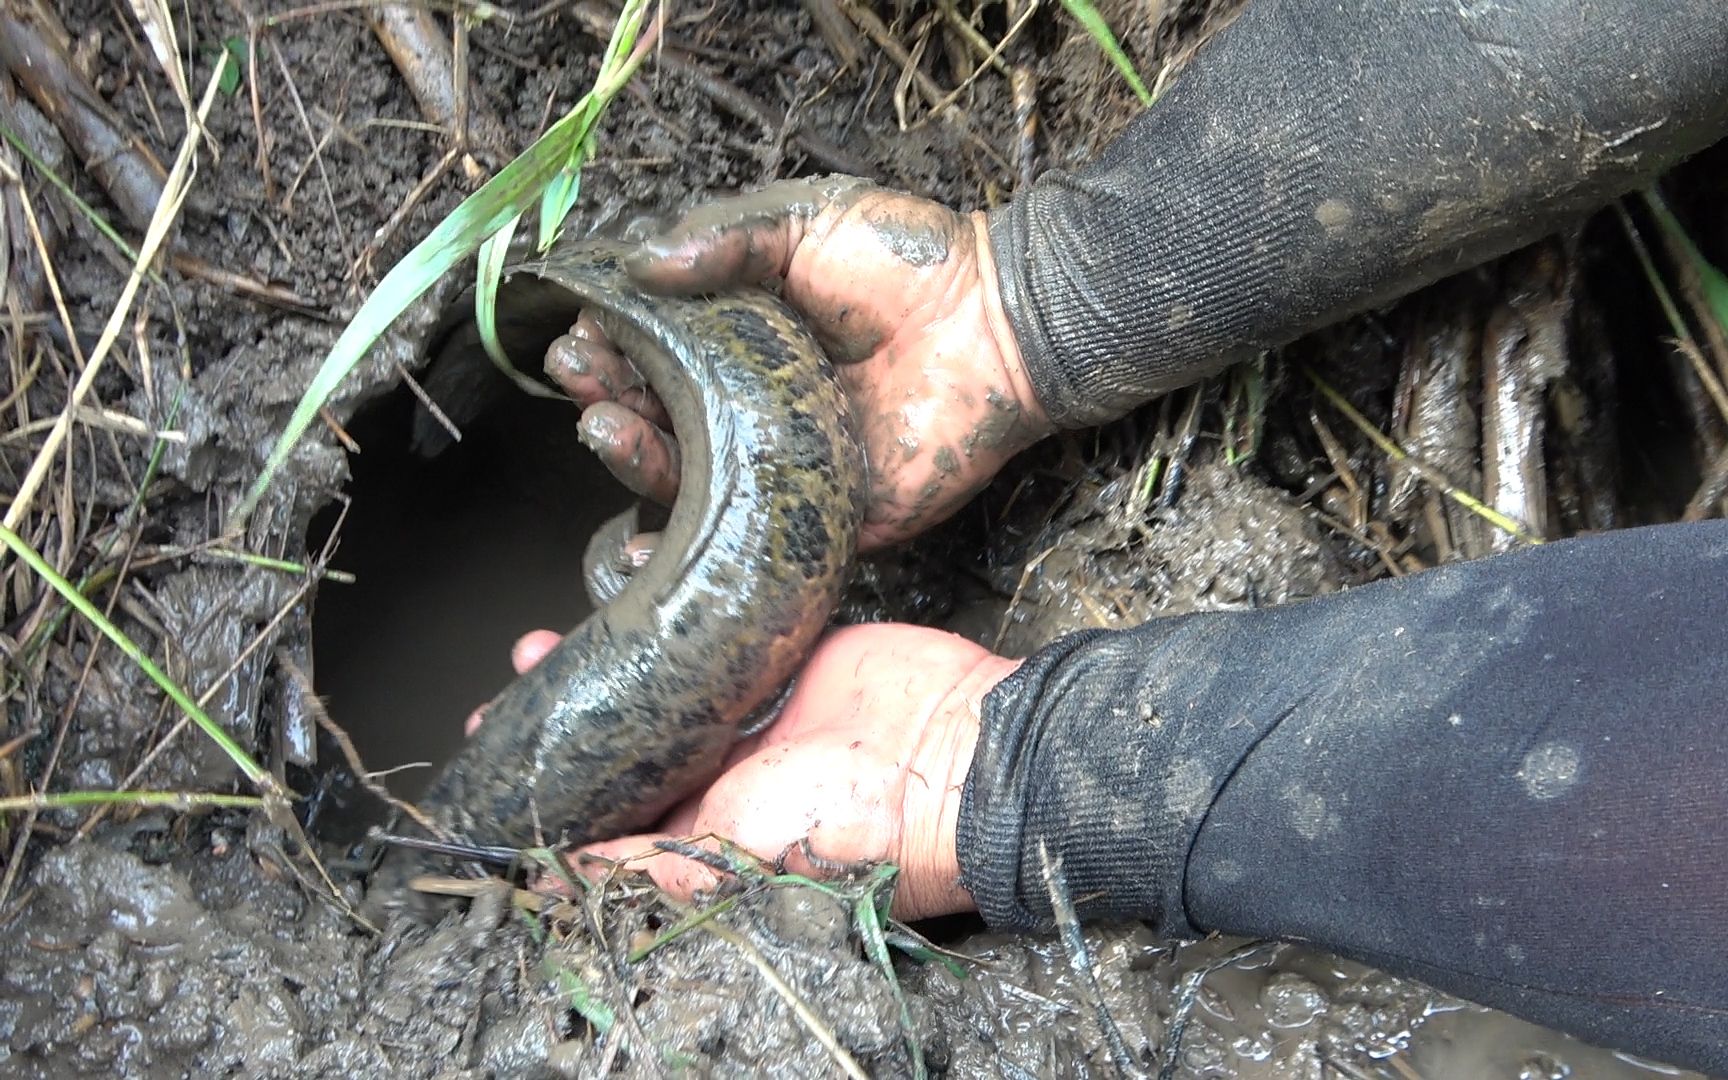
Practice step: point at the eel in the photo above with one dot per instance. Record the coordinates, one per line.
(638, 705)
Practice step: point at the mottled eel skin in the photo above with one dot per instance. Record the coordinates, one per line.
(640, 703)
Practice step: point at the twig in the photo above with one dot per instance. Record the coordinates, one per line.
(158, 25)
(1710, 490)
(1188, 995)
(469, 888)
(10, 747)
(1019, 590)
(119, 160)
(734, 100)
(422, 53)
(191, 266)
(1074, 943)
(995, 56)
(351, 754)
(363, 262)
(166, 211)
(814, 1024)
(972, 37)
(1422, 468)
(837, 30)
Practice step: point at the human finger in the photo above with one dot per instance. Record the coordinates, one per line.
(642, 456)
(740, 240)
(586, 366)
(530, 649)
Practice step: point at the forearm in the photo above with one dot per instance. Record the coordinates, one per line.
(1502, 777)
(1323, 156)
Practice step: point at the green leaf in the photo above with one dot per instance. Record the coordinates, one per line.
(1089, 18)
(232, 74)
(1712, 283)
(579, 997)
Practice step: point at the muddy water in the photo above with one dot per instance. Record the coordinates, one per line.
(454, 557)
(1226, 1009)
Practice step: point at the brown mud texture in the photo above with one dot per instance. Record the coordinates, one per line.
(210, 940)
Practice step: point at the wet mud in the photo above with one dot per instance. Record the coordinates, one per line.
(157, 942)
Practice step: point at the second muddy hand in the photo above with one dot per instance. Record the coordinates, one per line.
(639, 704)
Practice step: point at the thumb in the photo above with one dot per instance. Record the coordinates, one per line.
(530, 649)
(741, 240)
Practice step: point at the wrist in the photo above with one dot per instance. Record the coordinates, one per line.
(1001, 343)
(929, 856)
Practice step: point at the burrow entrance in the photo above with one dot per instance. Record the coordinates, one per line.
(455, 555)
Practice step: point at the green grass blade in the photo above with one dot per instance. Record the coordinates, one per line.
(555, 204)
(487, 275)
(90, 212)
(503, 198)
(1089, 18)
(1712, 282)
(1397, 453)
(236, 753)
(178, 800)
(579, 997)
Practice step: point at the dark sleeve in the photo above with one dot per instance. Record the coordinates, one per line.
(1320, 157)
(1507, 778)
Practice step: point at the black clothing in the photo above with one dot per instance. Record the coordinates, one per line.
(1506, 778)
(1319, 157)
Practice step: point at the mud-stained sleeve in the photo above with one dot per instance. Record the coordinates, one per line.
(1322, 156)
(1507, 778)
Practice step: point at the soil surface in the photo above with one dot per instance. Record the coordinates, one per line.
(157, 941)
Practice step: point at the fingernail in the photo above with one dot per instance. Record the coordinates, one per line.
(567, 357)
(657, 256)
(645, 255)
(597, 432)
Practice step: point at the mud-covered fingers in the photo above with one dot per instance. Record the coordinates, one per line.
(641, 455)
(530, 649)
(744, 239)
(679, 875)
(586, 366)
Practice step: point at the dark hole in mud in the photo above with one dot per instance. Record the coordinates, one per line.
(455, 556)
(1660, 471)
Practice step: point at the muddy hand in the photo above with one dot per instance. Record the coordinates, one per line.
(902, 291)
(865, 763)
